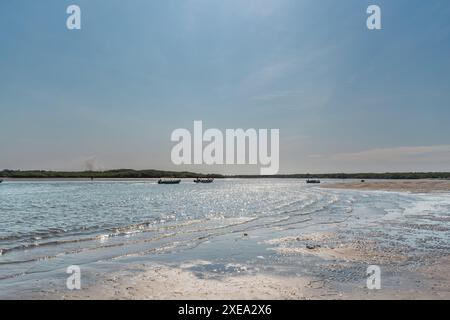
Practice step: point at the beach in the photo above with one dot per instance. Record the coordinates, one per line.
(233, 239)
(164, 282)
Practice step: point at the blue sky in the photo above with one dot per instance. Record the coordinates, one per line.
(344, 98)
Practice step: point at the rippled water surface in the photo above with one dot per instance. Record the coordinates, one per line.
(45, 225)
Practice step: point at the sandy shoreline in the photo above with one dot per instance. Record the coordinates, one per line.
(162, 282)
(416, 186)
(429, 280)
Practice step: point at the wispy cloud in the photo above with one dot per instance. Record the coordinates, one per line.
(402, 158)
(398, 154)
(258, 8)
(276, 95)
(294, 76)
(269, 73)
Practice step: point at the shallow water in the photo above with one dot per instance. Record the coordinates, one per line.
(46, 226)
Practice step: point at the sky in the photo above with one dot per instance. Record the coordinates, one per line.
(108, 96)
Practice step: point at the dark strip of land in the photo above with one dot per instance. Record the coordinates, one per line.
(361, 176)
(110, 174)
(142, 174)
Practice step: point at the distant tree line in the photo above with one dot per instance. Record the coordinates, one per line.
(136, 174)
(386, 175)
(112, 174)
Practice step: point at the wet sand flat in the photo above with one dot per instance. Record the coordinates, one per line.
(343, 263)
(163, 282)
(417, 186)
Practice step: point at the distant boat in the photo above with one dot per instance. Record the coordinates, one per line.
(169, 181)
(1, 181)
(204, 180)
(312, 181)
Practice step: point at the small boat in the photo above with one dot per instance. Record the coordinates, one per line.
(204, 180)
(169, 181)
(1, 181)
(312, 181)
